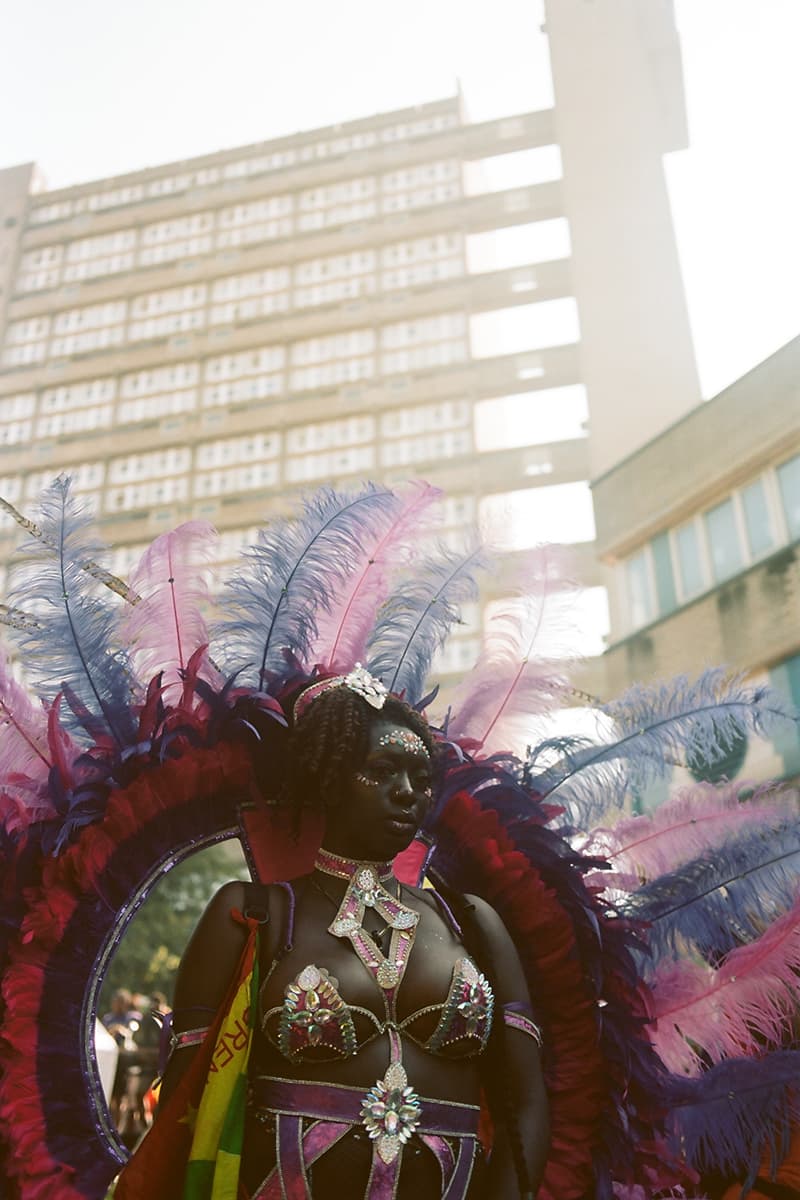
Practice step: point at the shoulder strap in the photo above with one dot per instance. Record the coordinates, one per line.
(257, 908)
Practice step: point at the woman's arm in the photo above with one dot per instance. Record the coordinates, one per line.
(205, 973)
(513, 1076)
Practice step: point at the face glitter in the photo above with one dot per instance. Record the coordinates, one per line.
(405, 739)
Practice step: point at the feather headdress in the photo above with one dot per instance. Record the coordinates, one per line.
(290, 574)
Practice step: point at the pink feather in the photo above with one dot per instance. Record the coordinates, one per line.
(746, 1005)
(695, 820)
(342, 633)
(517, 672)
(23, 732)
(168, 624)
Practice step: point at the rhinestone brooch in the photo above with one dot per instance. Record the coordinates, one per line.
(391, 1112)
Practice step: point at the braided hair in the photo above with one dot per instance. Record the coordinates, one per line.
(330, 741)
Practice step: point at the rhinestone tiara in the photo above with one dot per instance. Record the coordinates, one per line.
(358, 680)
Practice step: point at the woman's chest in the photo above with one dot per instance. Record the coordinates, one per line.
(424, 969)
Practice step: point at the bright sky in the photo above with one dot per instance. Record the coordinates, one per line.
(90, 88)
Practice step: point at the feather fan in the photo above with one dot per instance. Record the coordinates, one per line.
(694, 820)
(725, 897)
(75, 646)
(736, 1114)
(23, 733)
(415, 621)
(342, 632)
(744, 1006)
(655, 727)
(513, 674)
(291, 574)
(167, 626)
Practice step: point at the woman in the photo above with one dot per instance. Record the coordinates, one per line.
(403, 1009)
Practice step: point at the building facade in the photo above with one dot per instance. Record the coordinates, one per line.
(205, 338)
(701, 528)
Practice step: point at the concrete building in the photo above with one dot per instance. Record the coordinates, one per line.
(204, 338)
(701, 528)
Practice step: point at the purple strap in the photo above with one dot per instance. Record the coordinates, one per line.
(449, 914)
(459, 1180)
(443, 1154)
(382, 1182)
(288, 937)
(519, 1015)
(337, 1102)
(316, 1141)
(519, 1006)
(291, 1163)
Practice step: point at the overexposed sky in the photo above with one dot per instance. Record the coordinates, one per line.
(90, 88)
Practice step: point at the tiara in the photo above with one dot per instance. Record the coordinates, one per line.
(358, 680)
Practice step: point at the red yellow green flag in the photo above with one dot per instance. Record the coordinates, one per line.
(159, 1169)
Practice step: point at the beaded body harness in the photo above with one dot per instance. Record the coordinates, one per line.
(313, 1013)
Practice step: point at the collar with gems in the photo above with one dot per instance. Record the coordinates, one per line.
(347, 868)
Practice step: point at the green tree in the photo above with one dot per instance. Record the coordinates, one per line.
(155, 939)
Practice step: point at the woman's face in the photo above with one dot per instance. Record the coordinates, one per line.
(386, 798)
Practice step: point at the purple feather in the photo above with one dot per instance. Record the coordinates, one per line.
(725, 897)
(291, 575)
(737, 1113)
(650, 730)
(415, 621)
(76, 643)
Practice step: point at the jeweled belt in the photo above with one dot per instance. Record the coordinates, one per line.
(334, 1109)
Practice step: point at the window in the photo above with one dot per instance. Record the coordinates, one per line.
(665, 581)
(451, 414)
(559, 512)
(330, 464)
(789, 484)
(346, 432)
(723, 540)
(249, 362)
(640, 593)
(758, 524)
(692, 572)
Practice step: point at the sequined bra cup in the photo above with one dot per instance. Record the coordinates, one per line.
(315, 1023)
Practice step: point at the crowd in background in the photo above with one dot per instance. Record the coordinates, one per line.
(135, 1021)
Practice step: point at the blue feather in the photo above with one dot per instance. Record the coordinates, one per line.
(735, 1113)
(415, 621)
(653, 729)
(72, 646)
(724, 898)
(292, 571)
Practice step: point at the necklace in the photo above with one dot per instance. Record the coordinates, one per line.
(365, 889)
(345, 868)
(377, 935)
